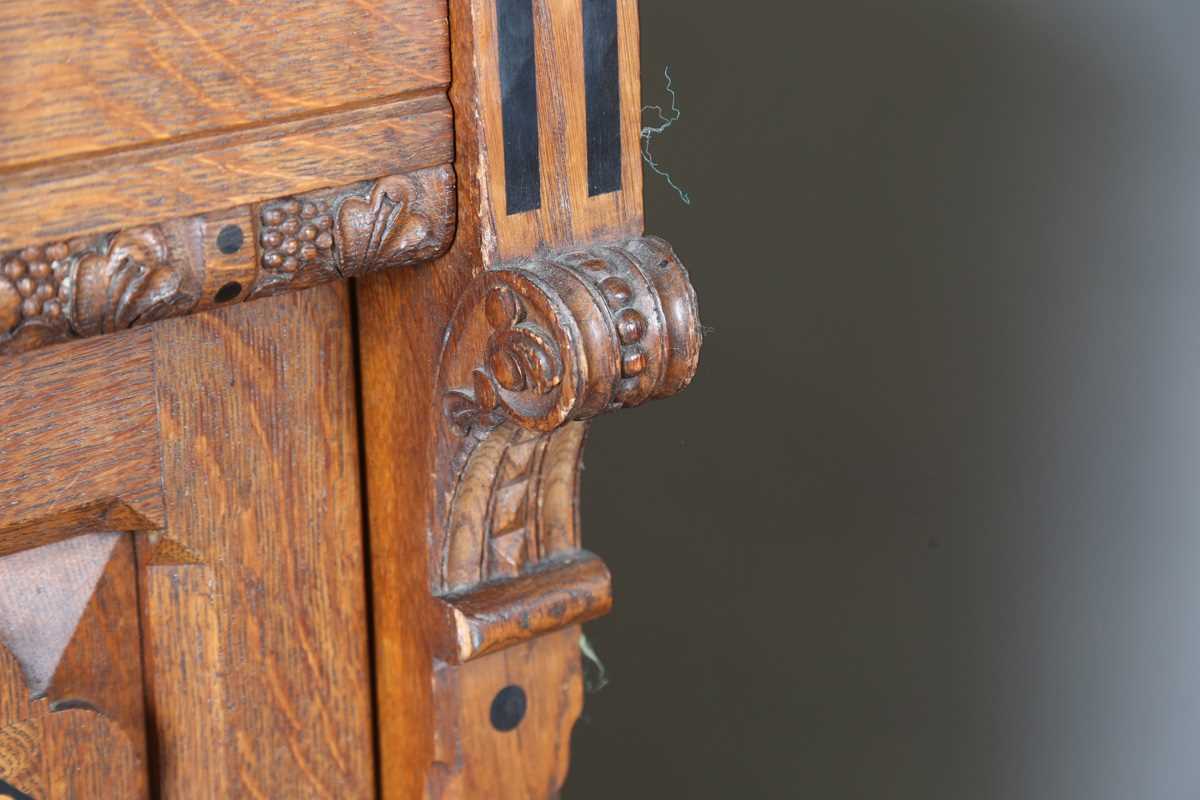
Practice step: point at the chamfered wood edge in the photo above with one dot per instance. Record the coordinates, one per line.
(552, 594)
(91, 285)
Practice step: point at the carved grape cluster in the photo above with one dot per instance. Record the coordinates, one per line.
(34, 285)
(294, 233)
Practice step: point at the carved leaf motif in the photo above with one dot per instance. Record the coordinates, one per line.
(124, 284)
(380, 229)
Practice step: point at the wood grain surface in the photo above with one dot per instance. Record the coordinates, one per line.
(475, 759)
(402, 409)
(79, 446)
(217, 170)
(70, 754)
(81, 77)
(255, 611)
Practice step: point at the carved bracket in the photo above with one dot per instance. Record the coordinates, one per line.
(533, 350)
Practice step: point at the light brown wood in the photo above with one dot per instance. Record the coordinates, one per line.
(257, 645)
(70, 754)
(220, 170)
(544, 598)
(568, 216)
(528, 325)
(474, 759)
(398, 409)
(186, 495)
(79, 447)
(86, 76)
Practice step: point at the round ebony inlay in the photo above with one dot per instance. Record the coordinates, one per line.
(508, 708)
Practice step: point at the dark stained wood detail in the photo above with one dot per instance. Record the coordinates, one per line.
(570, 335)
(101, 284)
(518, 90)
(320, 236)
(514, 503)
(602, 90)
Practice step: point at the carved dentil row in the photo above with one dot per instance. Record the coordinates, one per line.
(100, 284)
(533, 350)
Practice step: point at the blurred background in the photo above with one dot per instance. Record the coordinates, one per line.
(926, 524)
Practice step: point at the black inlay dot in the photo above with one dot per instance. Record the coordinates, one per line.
(508, 708)
(229, 239)
(228, 292)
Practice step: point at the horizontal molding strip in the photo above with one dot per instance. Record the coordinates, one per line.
(130, 187)
(102, 283)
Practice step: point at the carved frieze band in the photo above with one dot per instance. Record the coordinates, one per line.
(533, 351)
(100, 284)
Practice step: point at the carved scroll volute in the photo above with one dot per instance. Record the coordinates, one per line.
(534, 350)
(571, 335)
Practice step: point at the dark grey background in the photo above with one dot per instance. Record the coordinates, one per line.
(926, 525)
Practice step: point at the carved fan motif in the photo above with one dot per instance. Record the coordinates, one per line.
(129, 281)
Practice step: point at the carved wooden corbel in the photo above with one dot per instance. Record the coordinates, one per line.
(533, 351)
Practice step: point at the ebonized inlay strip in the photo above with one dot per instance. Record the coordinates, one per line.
(518, 105)
(602, 91)
(10, 792)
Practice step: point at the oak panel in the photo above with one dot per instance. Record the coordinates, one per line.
(78, 441)
(182, 178)
(402, 407)
(255, 605)
(86, 76)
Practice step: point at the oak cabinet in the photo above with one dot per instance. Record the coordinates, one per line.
(299, 338)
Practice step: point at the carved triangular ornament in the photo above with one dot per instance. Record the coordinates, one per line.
(43, 594)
